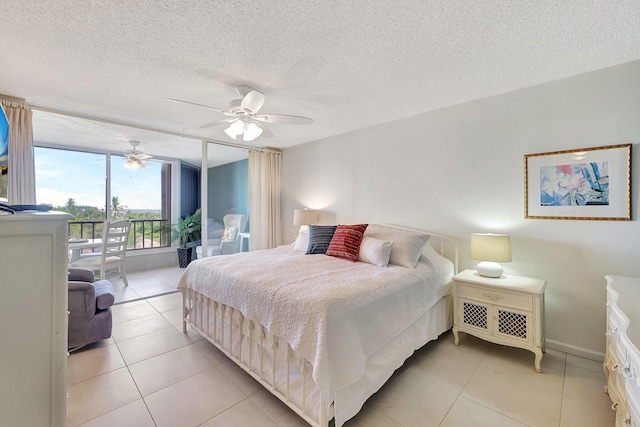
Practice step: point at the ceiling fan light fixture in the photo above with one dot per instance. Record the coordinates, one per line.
(136, 160)
(251, 132)
(230, 133)
(245, 118)
(133, 164)
(236, 128)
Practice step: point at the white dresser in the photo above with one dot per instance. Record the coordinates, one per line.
(33, 315)
(622, 361)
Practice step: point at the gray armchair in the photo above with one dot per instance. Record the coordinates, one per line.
(89, 308)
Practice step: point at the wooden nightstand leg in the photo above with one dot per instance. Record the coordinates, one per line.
(538, 353)
(455, 335)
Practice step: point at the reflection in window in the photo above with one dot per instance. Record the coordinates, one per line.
(137, 195)
(4, 153)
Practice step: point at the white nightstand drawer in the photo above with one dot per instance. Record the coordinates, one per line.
(492, 296)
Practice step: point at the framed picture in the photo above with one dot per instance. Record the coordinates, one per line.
(588, 183)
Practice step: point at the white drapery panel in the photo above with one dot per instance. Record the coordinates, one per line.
(21, 184)
(265, 202)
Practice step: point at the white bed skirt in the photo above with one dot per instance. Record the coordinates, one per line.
(287, 375)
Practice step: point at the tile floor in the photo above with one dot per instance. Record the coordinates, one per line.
(150, 374)
(146, 284)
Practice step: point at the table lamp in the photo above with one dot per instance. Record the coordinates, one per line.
(490, 249)
(304, 217)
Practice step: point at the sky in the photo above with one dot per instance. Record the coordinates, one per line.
(62, 174)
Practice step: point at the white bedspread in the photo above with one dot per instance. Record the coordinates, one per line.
(334, 312)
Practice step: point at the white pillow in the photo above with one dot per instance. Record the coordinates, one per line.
(375, 251)
(407, 245)
(230, 233)
(302, 242)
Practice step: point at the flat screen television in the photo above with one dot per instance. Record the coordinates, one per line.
(4, 154)
(4, 142)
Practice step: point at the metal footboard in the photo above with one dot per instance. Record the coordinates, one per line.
(269, 360)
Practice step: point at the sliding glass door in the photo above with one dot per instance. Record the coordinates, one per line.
(93, 187)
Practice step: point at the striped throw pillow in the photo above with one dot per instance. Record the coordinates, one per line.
(319, 238)
(346, 241)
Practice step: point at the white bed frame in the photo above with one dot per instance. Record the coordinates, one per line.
(270, 360)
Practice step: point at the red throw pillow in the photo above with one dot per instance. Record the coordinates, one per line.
(346, 240)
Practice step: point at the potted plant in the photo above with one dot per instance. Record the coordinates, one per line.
(187, 231)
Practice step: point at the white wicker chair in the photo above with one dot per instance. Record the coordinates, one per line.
(229, 244)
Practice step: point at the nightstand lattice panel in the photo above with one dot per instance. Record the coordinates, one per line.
(512, 324)
(474, 315)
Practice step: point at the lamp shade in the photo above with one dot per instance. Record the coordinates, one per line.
(133, 164)
(236, 128)
(491, 247)
(304, 217)
(251, 132)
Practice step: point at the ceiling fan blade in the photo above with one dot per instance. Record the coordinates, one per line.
(219, 110)
(284, 119)
(253, 101)
(266, 133)
(217, 122)
(143, 156)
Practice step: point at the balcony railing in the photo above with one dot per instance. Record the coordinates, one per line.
(141, 236)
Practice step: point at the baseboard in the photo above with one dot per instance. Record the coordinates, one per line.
(575, 350)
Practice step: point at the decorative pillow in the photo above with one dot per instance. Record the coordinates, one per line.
(375, 251)
(230, 233)
(407, 245)
(319, 238)
(345, 242)
(302, 242)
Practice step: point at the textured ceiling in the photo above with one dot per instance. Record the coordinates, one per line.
(346, 64)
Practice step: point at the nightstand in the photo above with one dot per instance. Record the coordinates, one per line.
(507, 310)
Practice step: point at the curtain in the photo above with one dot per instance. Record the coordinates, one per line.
(265, 205)
(21, 184)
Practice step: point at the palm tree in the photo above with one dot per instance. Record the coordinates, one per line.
(71, 207)
(117, 210)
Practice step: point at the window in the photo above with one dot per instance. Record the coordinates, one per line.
(137, 195)
(135, 191)
(71, 181)
(83, 185)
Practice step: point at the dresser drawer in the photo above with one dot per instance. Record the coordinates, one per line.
(631, 369)
(634, 413)
(502, 298)
(617, 321)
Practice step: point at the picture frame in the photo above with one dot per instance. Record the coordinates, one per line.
(581, 184)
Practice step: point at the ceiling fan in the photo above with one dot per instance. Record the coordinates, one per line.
(135, 159)
(243, 118)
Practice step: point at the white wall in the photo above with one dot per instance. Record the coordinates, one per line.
(460, 170)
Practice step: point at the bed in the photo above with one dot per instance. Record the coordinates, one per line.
(321, 333)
